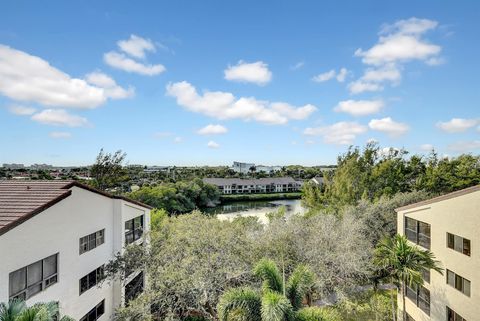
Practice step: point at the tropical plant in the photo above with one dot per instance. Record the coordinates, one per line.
(17, 310)
(403, 264)
(278, 300)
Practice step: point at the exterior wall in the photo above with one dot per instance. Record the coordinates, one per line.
(459, 216)
(58, 230)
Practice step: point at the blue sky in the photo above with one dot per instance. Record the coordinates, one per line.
(210, 82)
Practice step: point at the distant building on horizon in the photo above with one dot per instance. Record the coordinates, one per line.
(255, 186)
(13, 166)
(246, 168)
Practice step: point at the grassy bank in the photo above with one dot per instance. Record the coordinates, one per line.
(259, 197)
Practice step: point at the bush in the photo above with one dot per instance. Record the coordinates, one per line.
(317, 314)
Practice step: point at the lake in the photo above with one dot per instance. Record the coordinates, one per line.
(259, 209)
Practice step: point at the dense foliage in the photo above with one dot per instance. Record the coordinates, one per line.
(108, 171)
(180, 197)
(17, 310)
(373, 173)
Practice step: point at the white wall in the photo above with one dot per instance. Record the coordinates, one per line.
(58, 230)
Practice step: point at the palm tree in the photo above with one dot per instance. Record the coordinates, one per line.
(17, 310)
(277, 301)
(404, 263)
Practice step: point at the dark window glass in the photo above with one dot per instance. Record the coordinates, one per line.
(91, 279)
(466, 287)
(34, 273)
(18, 281)
(133, 229)
(134, 288)
(458, 244)
(466, 247)
(450, 278)
(412, 293)
(426, 275)
(49, 266)
(458, 282)
(450, 240)
(91, 241)
(95, 313)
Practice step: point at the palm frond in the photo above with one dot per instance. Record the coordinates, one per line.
(239, 304)
(299, 284)
(9, 311)
(268, 272)
(276, 307)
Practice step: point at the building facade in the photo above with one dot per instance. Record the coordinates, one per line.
(255, 186)
(449, 226)
(56, 237)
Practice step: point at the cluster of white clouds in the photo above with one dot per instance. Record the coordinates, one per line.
(256, 72)
(224, 105)
(360, 107)
(30, 79)
(212, 130)
(457, 125)
(398, 43)
(340, 76)
(132, 56)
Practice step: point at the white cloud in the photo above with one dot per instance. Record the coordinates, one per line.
(373, 78)
(298, 65)
(21, 110)
(122, 62)
(60, 135)
(112, 90)
(465, 146)
(324, 76)
(292, 112)
(178, 140)
(212, 130)
(398, 48)
(340, 76)
(24, 77)
(360, 86)
(398, 43)
(457, 125)
(136, 46)
(212, 144)
(224, 105)
(426, 147)
(359, 107)
(389, 126)
(341, 133)
(436, 61)
(256, 72)
(59, 117)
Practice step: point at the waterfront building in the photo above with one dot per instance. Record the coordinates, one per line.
(448, 226)
(55, 239)
(252, 186)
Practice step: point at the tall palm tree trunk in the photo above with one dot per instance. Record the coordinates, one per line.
(394, 312)
(404, 290)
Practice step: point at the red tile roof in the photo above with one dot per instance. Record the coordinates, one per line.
(20, 200)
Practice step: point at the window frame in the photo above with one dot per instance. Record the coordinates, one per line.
(415, 295)
(455, 315)
(417, 236)
(29, 290)
(135, 230)
(453, 239)
(91, 241)
(98, 275)
(95, 310)
(459, 283)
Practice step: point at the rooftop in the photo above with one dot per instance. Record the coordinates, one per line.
(21, 200)
(440, 198)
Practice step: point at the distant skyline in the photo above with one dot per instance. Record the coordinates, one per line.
(212, 82)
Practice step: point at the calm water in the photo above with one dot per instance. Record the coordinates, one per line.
(256, 208)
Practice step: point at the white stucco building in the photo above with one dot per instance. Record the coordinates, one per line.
(449, 226)
(56, 236)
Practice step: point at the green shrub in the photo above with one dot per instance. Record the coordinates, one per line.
(317, 314)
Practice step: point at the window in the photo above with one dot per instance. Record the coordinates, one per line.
(458, 243)
(95, 313)
(34, 278)
(420, 296)
(458, 282)
(426, 276)
(91, 241)
(91, 279)
(453, 316)
(134, 288)
(418, 232)
(133, 229)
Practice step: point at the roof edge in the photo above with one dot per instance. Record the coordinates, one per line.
(106, 194)
(440, 198)
(33, 213)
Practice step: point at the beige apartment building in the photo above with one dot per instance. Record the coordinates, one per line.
(449, 226)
